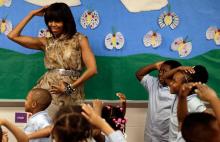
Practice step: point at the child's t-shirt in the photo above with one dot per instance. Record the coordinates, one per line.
(36, 122)
(194, 104)
(159, 109)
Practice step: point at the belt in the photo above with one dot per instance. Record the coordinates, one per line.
(65, 72)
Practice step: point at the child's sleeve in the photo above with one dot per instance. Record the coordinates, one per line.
(147, 80)
(195, 104)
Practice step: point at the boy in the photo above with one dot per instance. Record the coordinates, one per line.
(185, 101)
(160, 100)
(37, 101)
(203, 127)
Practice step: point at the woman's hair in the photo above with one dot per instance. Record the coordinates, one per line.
(115, 116)
(72, 127)
(60, 12)
(198, 127)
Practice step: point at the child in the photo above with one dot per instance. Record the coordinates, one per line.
(36, 102)
(203, 127)
(115, 115)
(181, 75)
(160, 100)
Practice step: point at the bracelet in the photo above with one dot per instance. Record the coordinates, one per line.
(69, 89)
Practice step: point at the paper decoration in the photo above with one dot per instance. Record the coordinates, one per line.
(213, 33)
(168, 19)
(48, 2)
(44, 33)
(89, 19)
(152, 39)
(6, 3)
(6, 26)
(115, 40)
(183, 47)
(143, 5)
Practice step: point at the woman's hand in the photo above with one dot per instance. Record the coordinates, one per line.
(39, 12)
(58, 89)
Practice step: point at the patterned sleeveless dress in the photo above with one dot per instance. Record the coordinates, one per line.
(62, 53)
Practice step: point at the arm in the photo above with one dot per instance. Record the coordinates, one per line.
(45, 132)
(122, 98)
(27, 41)
(18, 133)
(89, 61)
(147, 69)
(186, 69)
(208, 94)
(182, 109)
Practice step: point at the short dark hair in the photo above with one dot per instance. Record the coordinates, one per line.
(61, 12)
(172, 63)
(200, 75)
(1, 133)
(198, 127)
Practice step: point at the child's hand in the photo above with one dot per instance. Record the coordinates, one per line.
(186, 88)
(121, 96)
(158, 64)
(205, 92)
(187, 69)
(97, 106)
(5, 136)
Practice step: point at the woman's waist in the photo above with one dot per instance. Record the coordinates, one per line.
(65, 72)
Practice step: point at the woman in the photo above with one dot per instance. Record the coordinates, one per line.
(65, 54)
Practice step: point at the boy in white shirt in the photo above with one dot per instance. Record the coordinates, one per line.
(37, 101)
(160, 100)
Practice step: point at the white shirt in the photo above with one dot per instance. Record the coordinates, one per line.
(159, 109)
(194, 104)
(36, 122)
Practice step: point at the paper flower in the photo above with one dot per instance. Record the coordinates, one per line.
(152, 39)
(213, 33)
(6, 26)
(44, 33)
(6, 3)
(168, 19)
(48, 2)
(89, 19)
(182, 46)
(115, 40)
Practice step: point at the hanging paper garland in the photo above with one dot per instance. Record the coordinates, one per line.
(168, 19)
(44, 33)
(213, 33)
(6, 3)
(115, 40)
(89, 19)
(6, 26)
(182, 46)
(152, 39)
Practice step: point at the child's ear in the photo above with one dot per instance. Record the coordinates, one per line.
(34, 104)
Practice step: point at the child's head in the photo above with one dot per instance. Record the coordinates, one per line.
(181, 77)
(200, 127)
(165, 67)
(71, 125)
(115, 116)
(38, 99)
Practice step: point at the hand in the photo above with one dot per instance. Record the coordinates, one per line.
(158, 64)
(39, 12)
(97, 106)
(5, 136)
(121, 96)
(205, 93)
(58, 89)
(187, 69)
(91, 115)
(186, 89)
